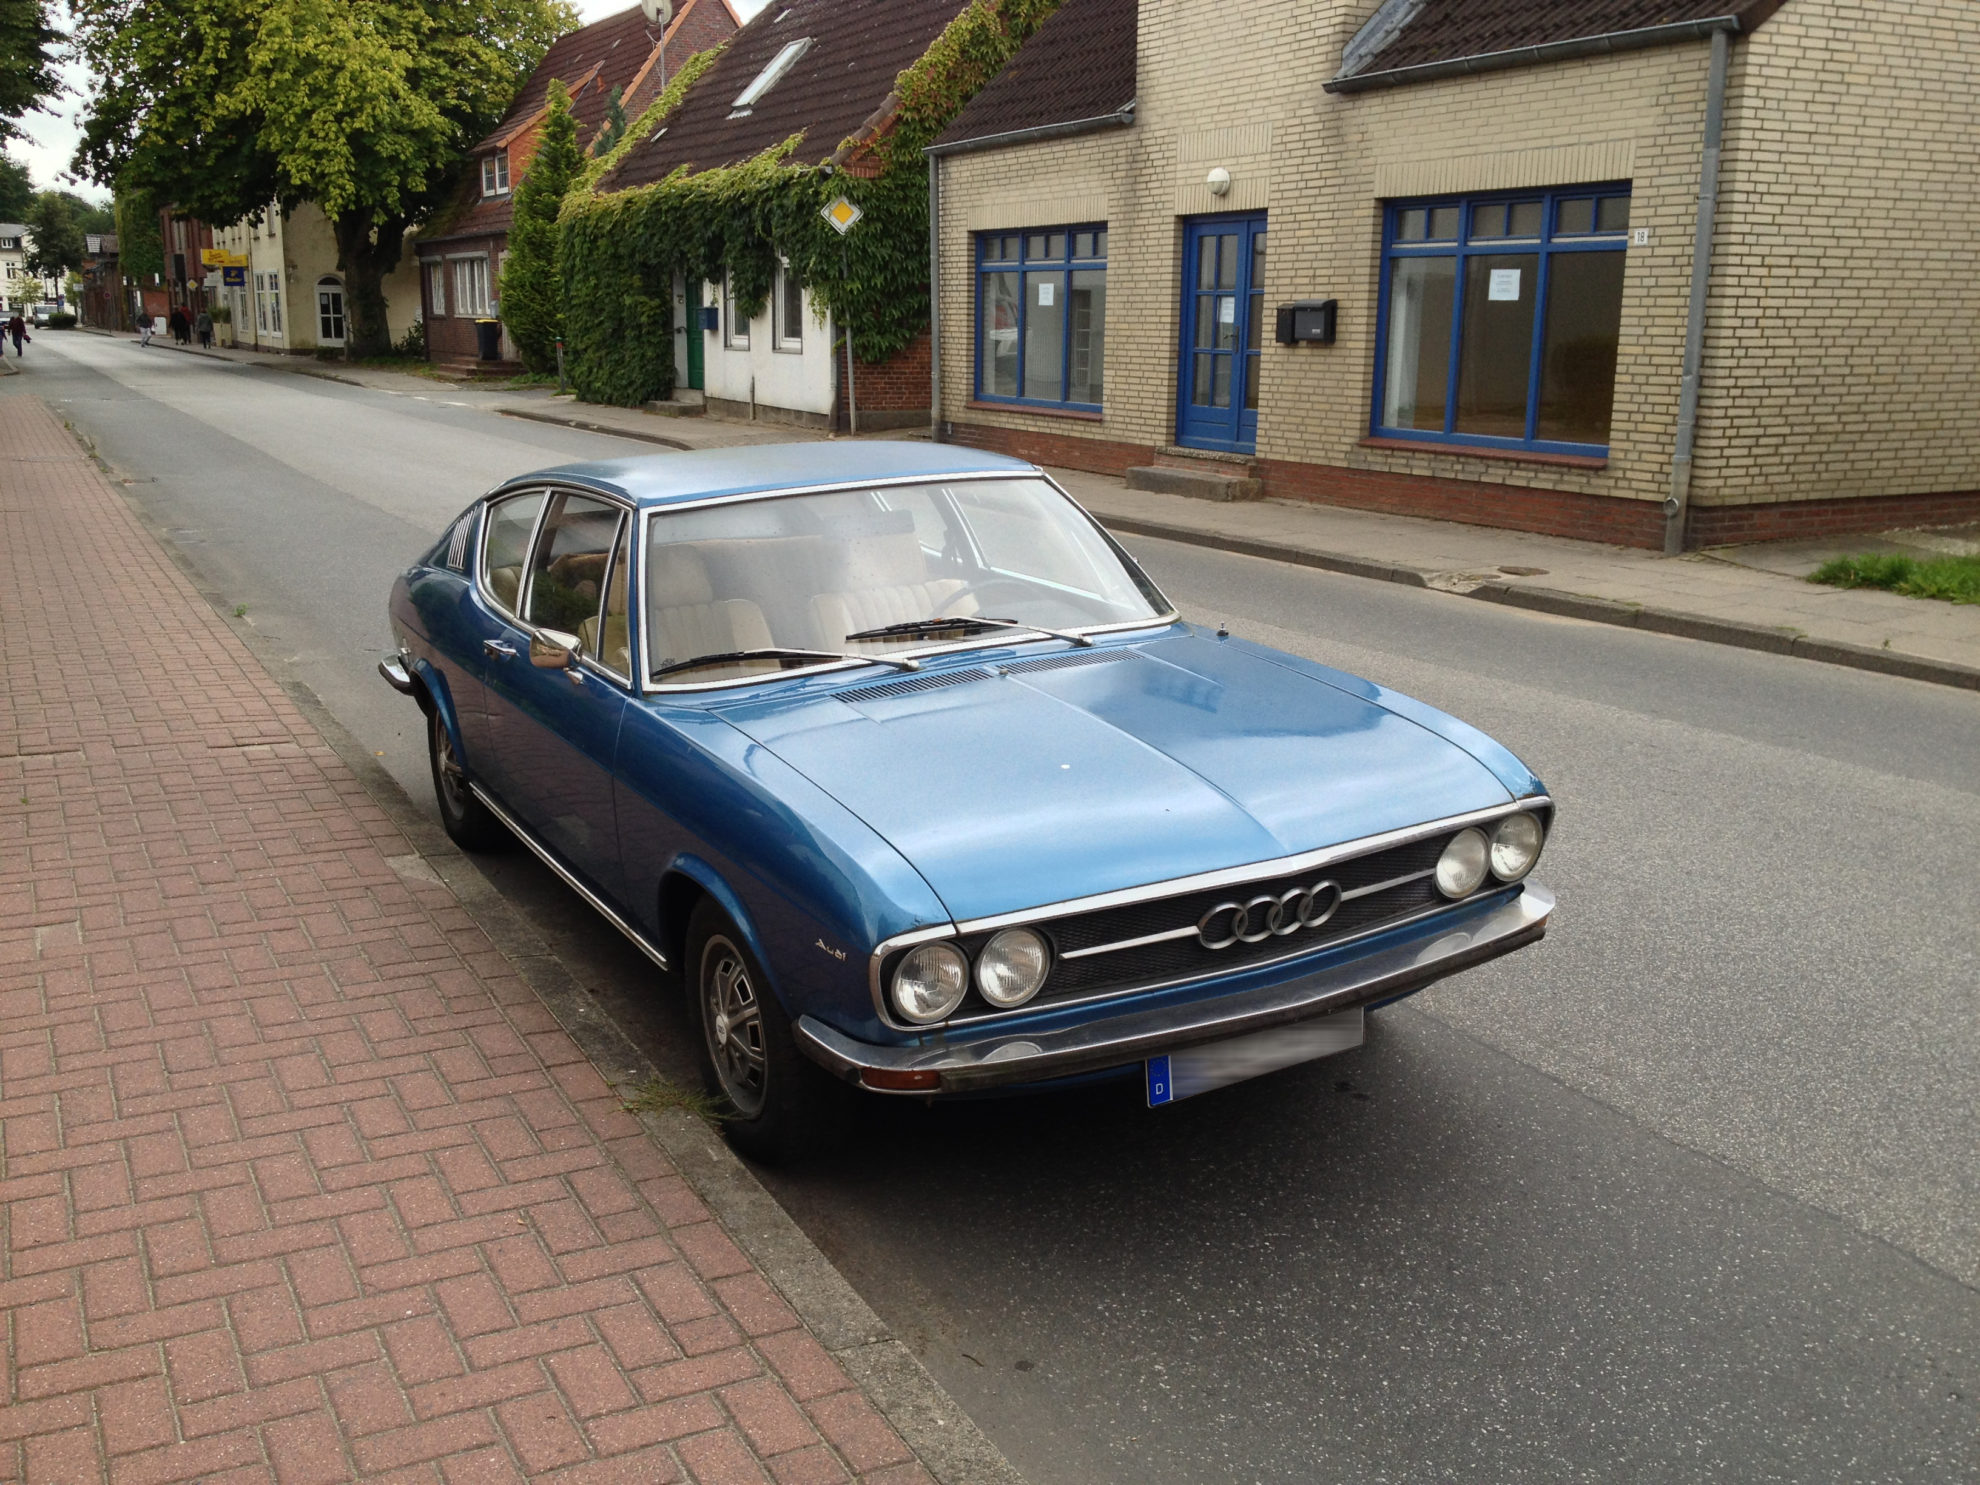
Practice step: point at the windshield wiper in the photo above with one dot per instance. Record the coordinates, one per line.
(963, 621)
(779, 652)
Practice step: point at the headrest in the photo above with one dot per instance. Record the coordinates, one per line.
(882, 561)
(677, 575)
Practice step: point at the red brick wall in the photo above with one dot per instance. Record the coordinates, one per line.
(1719, 525)
(1629, 523)
(450, 337)
(898, 384)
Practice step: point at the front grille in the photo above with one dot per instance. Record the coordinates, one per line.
(1401, 873)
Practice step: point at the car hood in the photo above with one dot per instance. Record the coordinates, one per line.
(1022, 782)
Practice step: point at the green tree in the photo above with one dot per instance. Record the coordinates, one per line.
(228, 107)
(614, 128)
(16, 190)
(58, 235)
(27, 61)
(532, 291)
(140, 250)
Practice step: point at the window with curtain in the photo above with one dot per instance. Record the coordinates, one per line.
(1501, 319)
(471, 286)
(1041, 316)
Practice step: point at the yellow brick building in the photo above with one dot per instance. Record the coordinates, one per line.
(1501, 201)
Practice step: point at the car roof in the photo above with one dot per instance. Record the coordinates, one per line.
(697, 474)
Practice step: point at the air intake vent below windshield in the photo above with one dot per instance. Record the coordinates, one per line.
(936, 682)
(1062, 662)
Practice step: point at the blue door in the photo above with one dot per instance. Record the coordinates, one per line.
(1222, 326)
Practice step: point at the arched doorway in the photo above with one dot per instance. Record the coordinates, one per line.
(329, 311)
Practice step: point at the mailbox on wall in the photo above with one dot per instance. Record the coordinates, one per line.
(710, 316)
(1308, 322)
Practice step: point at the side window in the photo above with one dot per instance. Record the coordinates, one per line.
(509, 526)
(567, 571)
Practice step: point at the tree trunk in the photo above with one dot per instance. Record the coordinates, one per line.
(367, 250)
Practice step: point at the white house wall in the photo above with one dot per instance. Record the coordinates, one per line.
(788, 386)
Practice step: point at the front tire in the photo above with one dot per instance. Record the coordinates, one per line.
(467, 820)
(782, 1107)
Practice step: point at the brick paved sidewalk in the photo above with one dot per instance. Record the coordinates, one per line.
(300, 1180)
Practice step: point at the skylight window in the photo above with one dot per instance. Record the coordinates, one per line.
(769, 76)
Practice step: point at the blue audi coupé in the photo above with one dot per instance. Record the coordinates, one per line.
(923, 787)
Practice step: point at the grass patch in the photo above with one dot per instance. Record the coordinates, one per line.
(1949, 579)
(657, 1095)
(532, 379)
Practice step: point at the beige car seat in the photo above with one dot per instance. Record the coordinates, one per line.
(688, 619)
(614, 652)
(884, 580)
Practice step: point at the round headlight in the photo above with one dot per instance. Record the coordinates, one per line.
(930, 983)
(1012, 967)
(1515, 846)
(1462, 866)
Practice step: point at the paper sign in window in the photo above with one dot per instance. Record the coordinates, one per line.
(1045, 294)
(1505, 284)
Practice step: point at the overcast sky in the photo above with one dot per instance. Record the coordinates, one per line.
(51, 135)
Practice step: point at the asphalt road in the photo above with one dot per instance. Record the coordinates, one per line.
(1689, 1191)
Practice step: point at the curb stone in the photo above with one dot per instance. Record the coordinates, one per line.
(585, 425)
(943, 1437)
(1772, 640)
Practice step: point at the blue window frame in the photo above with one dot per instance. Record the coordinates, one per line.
(1041, 316)
(1500, 319)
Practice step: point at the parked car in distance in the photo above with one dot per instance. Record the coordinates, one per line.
(924, 787)
(41, 314)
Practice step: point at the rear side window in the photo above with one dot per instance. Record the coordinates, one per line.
(567, 573)
(510, 523)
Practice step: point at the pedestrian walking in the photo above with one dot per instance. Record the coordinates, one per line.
(145, 325)
(17, 327)
(203, 328)
(176, 323)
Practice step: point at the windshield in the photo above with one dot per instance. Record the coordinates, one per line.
(822, 573)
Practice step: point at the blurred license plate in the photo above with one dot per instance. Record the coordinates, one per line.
(1199, 1069)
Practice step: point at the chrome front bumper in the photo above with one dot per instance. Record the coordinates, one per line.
(1462, 940)
(397, 676)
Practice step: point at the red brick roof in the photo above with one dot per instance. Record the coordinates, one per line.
(1424, 33)
(1079, 65)
(858, 48)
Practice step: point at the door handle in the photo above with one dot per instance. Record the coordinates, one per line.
(496, 650)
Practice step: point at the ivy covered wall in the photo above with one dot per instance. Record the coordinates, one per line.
(621, 250)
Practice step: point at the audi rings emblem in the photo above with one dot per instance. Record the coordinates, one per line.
(1267, 916)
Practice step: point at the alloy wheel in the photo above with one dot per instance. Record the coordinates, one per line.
(732, 1023)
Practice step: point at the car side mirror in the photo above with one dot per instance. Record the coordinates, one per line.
(552, 649)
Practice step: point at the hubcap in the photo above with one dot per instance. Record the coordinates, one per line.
(734, 1025)
(453, 782)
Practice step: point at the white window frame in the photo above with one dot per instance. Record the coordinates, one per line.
(495, 174)
(732, 338)
(769, 77)
(785, 335)
(330, 281)
(468, 305)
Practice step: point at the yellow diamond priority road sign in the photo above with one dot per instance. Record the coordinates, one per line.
(842, 214)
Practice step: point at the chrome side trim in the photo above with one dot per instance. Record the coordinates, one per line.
(1284, 866)
(1131, 943)
(549, 859)
(1370, 891)
(1486, 932)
